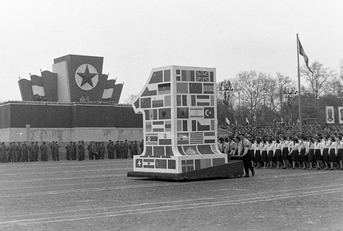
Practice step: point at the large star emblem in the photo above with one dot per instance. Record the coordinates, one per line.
(86, 77)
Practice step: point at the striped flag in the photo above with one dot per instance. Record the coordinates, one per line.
(164, 88)
(196, 137)
(158, 126)
(204, 100)
(209, 137)
(151, 139)
(149, 163)
(196, 113)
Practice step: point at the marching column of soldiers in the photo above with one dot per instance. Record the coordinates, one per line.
(25, 152)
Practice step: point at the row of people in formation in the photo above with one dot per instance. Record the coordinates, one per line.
(315, 152)
(30, 152)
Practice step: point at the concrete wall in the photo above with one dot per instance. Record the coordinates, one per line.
(70, 134)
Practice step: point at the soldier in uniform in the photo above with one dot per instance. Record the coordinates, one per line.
(32, 152)
(56, 151)
(131, 149)
(90, 150)
(102, 150)
(68, 150)
(36, 151)
(80, 151)
(141, 145)
(13, 156)
(18, 151)
(117, 149)
(109, 156)
(24, 152)
(44, 152)
(121, 150)
(74, 151)
(126, 150)
(135, 149)
(3, 153)
(52, 148)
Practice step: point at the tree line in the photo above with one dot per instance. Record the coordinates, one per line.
(259, 98)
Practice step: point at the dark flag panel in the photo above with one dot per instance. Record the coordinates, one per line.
(117, 92)
(25, 90)
(50, 85)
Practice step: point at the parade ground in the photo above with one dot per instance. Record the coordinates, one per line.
(98, 195)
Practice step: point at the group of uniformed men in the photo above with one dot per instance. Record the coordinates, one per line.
(22, 152)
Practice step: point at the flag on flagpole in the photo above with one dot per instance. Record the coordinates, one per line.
(302, 53)
(227, 121)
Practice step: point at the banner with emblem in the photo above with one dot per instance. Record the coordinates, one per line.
(330, 115)
(340, 115)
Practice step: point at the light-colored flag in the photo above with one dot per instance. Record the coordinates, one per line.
(247, 120)
(227, 121)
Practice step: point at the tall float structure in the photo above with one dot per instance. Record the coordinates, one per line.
(179, 110)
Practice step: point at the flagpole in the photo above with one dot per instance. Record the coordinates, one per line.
(300, 117)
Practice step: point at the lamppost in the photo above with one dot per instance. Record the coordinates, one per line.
(289, 94)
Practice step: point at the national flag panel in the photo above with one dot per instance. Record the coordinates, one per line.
(205, 149)
(156, 77)
(164, 88)
(195, 88)
(196, 137)
(186, 75)
(182, 113)
(149, 163)
(182, 138)
(151, 114)
(157, 103)
(203, 100)
(182, 88)
(164, 113)
(139, 163)
(148, 127)
(146, 102)
(190, 150)
(204, 125)
(202, 76)
(187, 165)
(166, 75)
(209, 112)
(208, 88)
(158, 126)
(209, 137)
(196, 113)
(167, 126)
(151, 139)
(159, 151)
(167, 100)
(161, 163)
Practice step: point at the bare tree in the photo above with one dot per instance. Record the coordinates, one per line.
(130, 99)
(319, 78)
(251, 87)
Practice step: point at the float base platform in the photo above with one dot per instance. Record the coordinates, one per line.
(232, 169)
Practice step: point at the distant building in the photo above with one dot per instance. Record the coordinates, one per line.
(74, 102)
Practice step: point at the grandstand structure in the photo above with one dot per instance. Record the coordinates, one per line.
(75, 101)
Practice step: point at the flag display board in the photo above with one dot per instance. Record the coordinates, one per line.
(330, 115)
(180, 127)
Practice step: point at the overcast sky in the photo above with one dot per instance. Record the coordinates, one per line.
(136, 36)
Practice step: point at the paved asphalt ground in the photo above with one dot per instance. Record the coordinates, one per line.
(97, 195)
